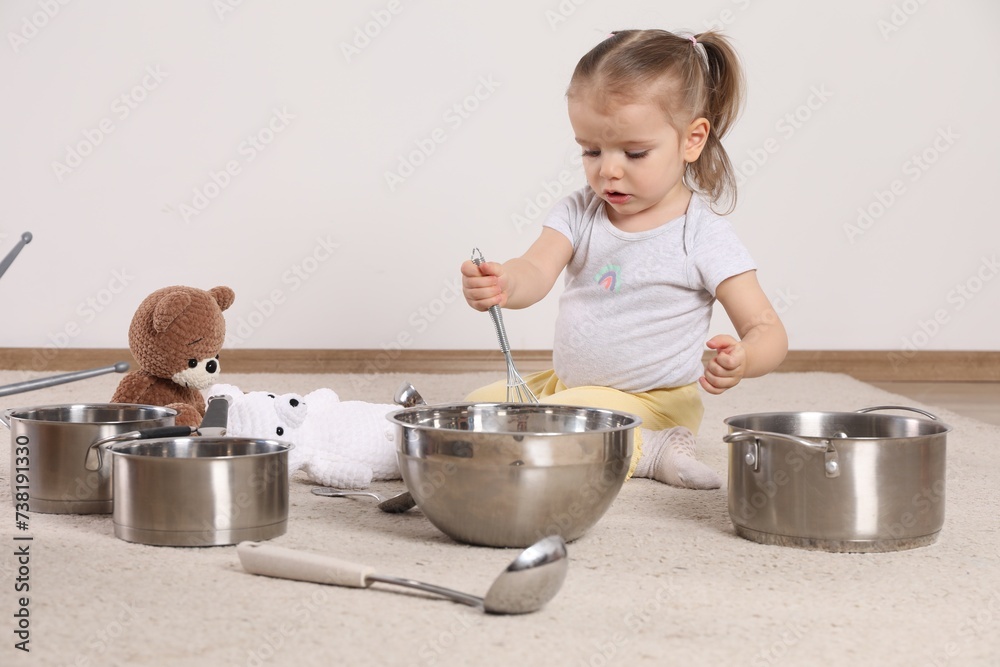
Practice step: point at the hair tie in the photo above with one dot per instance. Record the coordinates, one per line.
(702, 52)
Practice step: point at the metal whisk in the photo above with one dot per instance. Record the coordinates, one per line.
(517, 390)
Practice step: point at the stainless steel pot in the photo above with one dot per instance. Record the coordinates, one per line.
(508, 474)
(837, 481)
(48, 451)
(203, 491)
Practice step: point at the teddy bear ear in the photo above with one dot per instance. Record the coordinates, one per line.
(224, 296)
(168, 308)
(292, 409)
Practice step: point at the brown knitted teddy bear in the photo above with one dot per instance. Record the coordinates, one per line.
(176, 336)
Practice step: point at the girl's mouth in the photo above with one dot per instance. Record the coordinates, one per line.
(616, 198)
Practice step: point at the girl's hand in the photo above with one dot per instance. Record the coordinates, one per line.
(519, 282)
(484, 286)
(727, 368)
(763, 342)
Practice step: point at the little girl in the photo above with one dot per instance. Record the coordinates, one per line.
(644, 252)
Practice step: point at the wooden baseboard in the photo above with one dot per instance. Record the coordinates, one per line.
(899, 365)
(866, 365)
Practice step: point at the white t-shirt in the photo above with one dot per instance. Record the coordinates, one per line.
(637, 306)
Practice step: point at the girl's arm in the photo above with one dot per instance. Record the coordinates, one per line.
(519, 282)
(763, 342)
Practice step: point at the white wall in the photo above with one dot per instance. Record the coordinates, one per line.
(842, 97)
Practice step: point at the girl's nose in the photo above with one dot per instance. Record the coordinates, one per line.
(610, 167)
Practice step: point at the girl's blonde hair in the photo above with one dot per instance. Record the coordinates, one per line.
(699, 77)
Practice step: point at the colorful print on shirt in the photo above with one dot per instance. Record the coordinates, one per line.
(609, 277)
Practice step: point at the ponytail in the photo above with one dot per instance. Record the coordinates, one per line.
(712, 172)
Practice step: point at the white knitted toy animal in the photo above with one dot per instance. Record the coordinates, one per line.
(344, 444)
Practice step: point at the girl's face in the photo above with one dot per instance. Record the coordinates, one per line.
(634, 159)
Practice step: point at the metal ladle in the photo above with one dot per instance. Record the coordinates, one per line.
(395, 505)
(528, 583)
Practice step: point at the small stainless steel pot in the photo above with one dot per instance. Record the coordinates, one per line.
(837, 481)
(49, 446)
(200, 491)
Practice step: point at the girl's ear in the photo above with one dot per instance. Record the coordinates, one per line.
(695, 138)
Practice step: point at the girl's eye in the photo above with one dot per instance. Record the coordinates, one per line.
(591, 152)
(636, 155)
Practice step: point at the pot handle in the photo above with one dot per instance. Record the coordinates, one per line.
(748, 434)
(95, 453)
(899, 407)
(831, 460)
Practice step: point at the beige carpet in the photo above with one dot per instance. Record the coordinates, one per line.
(662, 579)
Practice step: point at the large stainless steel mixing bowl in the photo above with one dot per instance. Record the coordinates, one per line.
(508, 474)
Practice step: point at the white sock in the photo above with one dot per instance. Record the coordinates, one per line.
(668, 456)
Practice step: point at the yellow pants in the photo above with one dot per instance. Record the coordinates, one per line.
(659, 409)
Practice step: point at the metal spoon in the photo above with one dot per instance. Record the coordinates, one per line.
(394, 505)
(528, 583)
(408, 397)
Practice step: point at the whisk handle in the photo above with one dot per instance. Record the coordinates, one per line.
(478, 259)
(501, 332)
